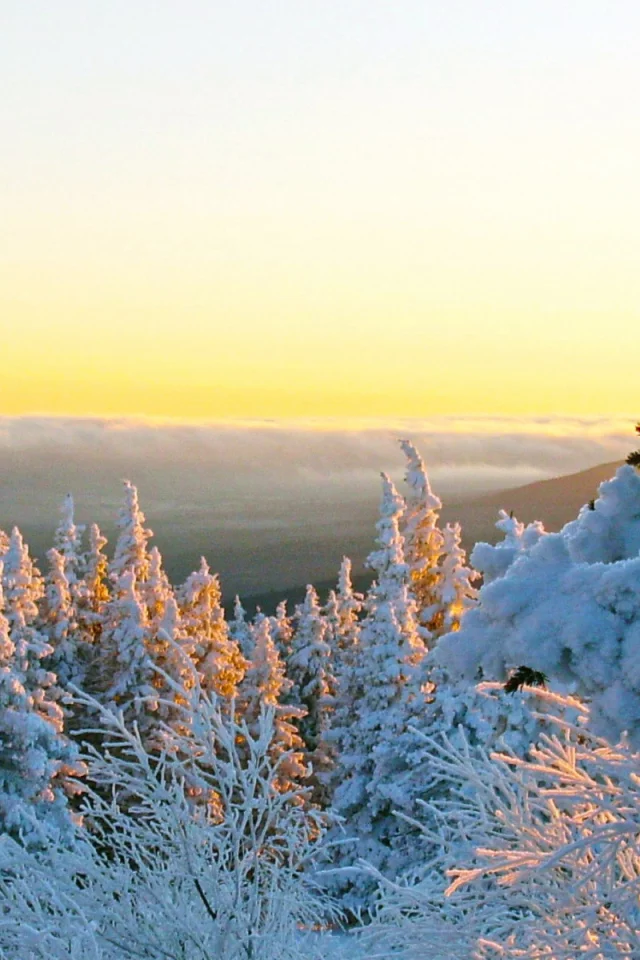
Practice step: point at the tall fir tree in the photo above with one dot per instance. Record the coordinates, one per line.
(216, 654)
(240, 629)
(171, 652)
(92, 597)
(125, 674)
(38, 765)
(265, 685)
(131, 553)
(282, 630)
(23, 584)
(342, 612)
(386, 684)
(311, 671)
(68, 542)
(59, 623)
(457, 593)
(313, 688)
(155, 591)
(424, 543)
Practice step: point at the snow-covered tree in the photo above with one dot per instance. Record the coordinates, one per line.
(125, 670)
(342, 613)
(493, 560)
(265, 686)
(171, 652)
(155, 591)
(541, 853)
(240, 629)
(4, 543)
(216, 654)
(424, 543)
(282, 630)
(68, 542)
(310, 669)
(59, 623)
(455, 588)
(91, 595)
(388, 683)
(174, 885)
(23, 584)
(569, 607)
(37, 762)
(131, 552)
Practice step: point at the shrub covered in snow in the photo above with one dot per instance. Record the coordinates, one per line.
(156, 877)
(568, 606)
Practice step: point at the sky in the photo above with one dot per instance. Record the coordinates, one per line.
(320, 208)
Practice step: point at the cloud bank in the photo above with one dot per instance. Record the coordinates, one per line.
(541, 446)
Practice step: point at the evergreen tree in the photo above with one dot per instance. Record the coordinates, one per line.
(68, 542)
(216, 654)
(342, 614)
(95, 565)
(282, 630)
(36, 761)
(125, 671)
(171, 651)
(59, 623)
(92, 594)
(4, 543)
(131, 546)
(23, 584)
(424, 543)
(240, 629)
(457, 593)
(156, 591)
(310, 670)
(266, 685)
(387, 682)
(313, 688)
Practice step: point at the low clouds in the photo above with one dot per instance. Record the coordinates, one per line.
(535, 446)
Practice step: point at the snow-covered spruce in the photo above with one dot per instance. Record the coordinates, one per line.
(310, 669)
(568, 606)
(68, 542)
(424, 542)
(386, 682)
(265, 685)
(131, 553)
(38, 765)
(216, 654)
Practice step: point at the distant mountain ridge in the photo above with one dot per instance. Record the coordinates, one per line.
(555, 502)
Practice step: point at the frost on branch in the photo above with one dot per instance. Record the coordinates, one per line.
(541, 854)
(176, 883)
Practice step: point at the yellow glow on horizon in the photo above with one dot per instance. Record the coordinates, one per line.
(430, 209)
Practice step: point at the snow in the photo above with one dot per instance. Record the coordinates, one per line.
(242, 772)
(569, 605)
